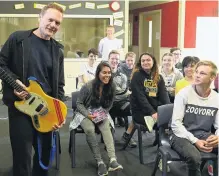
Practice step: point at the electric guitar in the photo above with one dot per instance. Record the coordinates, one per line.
(45, 111)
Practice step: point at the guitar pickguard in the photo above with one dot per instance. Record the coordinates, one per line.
(35, 105)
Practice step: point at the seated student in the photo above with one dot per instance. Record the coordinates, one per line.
(170, 74)
(188, 65)
(121, 104)
(88, 69)
(127, 67)
(71, 53)
(94, 101)
(148, 90)
(195, 111)
(177, 57)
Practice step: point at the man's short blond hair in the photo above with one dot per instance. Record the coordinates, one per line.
(51, 6)
(130, 54)
(208, 63)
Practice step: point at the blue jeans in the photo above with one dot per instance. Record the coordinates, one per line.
(188, 151)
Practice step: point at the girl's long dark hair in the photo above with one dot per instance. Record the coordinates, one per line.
(154, 69)
(108, 91)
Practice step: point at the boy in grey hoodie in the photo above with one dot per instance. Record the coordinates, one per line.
(127, 67)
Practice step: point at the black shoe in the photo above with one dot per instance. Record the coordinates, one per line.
(121, 121)
(102, 170)
(132, 143)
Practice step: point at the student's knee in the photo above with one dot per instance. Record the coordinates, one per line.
(194, 158)
(105, 126)
(89, 130)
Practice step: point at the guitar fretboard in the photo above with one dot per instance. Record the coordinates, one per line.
(12, 82)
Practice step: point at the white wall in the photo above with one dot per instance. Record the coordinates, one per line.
(207, 39)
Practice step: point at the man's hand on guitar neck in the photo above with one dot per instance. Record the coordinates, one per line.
(22, 95)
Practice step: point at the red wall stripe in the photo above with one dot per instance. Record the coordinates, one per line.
(193, 10)
(169, 23)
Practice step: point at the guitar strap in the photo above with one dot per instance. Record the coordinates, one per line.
(52, 151)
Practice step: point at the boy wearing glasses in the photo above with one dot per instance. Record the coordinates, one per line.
(177, 56)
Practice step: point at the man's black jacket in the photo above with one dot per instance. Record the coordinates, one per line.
(14, 58)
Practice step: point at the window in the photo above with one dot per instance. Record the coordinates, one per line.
(130, 34)
(150, 35)
(77, 34)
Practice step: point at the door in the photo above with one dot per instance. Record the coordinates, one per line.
(149, 33)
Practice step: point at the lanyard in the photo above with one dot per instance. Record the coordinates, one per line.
(52, 151)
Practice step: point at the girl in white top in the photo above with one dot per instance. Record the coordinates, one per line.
(88, 70)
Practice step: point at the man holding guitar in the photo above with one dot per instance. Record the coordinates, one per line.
(32, 53)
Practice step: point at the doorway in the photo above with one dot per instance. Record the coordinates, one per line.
(150, 33)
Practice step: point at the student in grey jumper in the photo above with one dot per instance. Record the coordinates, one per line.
(121, 104)
(195, 111)
(97, 93)
(127, 67)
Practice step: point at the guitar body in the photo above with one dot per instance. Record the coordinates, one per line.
(44, 110)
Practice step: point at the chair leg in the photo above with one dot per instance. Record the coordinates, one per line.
(69, 145)
(57, 150)
(215, 167)
(156, 164)
(130, 136)
(202, 165)
(140, 146)
(164, 166)
(156, 141)
(73, 148)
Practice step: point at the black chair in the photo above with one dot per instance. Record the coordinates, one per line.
(71, 148)
(141, 128)
(117, 114)
(73, 132)
(165, 151)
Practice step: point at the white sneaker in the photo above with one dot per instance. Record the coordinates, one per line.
(161, 166)
(150, 121)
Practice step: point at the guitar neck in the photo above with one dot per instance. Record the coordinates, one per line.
(11, 81)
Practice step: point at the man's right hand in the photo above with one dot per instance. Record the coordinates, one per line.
(22, 95)
(201, 145)
(154, 116)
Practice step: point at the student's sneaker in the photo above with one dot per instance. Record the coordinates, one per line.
(114, 165)
(121, 122)
(150, 121)
(210, 168)
(161, 168)
(132, 143)
(102, 170)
